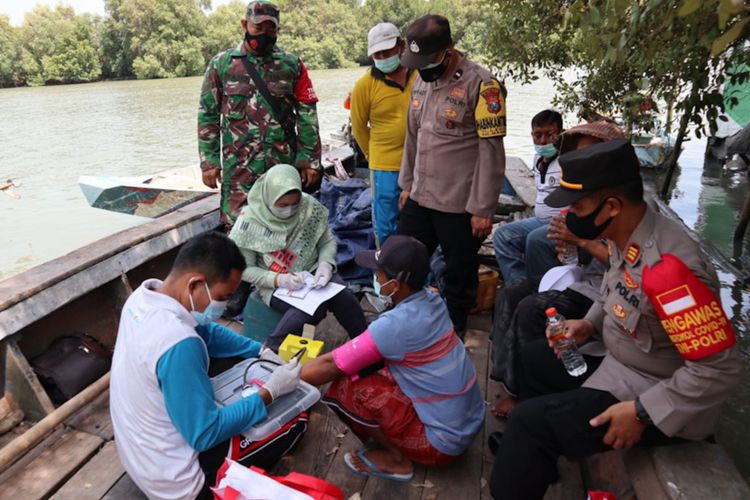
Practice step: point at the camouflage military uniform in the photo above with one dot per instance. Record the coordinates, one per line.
(236, 127)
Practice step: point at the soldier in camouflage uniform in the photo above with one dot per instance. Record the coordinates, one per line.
(239, 138)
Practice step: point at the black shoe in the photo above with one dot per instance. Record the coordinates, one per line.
(237, 300)
(494, 441)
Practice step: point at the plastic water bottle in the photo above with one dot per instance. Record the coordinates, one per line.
(571, 357)
(569, 253)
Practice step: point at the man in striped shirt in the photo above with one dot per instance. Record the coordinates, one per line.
(424, 405)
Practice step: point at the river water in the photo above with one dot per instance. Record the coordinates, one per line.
(53, 135)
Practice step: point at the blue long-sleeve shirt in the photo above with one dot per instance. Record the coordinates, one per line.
(182, 372)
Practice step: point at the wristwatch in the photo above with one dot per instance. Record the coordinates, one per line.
(641, 414)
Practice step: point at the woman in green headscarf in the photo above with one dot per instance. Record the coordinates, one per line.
(283, 232)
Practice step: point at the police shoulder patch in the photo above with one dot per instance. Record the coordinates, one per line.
(490, 111)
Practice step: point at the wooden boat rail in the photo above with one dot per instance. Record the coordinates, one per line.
(84, 291)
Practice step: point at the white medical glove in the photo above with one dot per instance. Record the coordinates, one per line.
(291, 281)
(284, 379)
(268, 355)
(323, 274)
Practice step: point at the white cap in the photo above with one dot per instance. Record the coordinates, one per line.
(560, 277)
(382, 37)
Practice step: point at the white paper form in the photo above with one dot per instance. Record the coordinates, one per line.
(308, 298)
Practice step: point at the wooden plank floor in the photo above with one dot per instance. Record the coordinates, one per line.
(93, 471)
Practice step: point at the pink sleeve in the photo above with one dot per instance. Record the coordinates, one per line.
(357, 354)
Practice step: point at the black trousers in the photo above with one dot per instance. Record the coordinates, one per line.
(520, 319)
(542, 429)
(542, 372)
(453, 233)
(344, 306)
(211, 461)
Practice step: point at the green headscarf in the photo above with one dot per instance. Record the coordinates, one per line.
(261, 231)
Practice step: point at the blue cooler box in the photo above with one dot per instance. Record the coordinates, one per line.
(230, 386)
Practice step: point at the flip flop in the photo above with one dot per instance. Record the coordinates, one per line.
(374, 471)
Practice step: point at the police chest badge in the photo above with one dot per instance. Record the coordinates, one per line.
(618, 310)
(450, 113)
(490, 111)
(458, 93)
(629, 281)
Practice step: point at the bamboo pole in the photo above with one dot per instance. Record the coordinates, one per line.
(20, 445)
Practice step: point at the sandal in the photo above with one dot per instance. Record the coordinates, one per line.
(374, 470)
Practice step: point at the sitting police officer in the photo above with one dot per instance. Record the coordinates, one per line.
(671, 355)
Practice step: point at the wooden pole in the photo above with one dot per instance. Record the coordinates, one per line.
(675, 154)
(20, 445)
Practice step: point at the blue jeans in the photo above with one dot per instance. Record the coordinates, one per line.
(385, 211)
(509, 242)
(541, 255)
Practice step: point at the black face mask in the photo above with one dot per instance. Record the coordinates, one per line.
(584, 226)
(435, 72)
(261, 44)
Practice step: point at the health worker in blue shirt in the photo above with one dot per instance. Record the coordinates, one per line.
(162, 404)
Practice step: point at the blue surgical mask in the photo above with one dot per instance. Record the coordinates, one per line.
(213, 311)
(546, 150)
(378, 288)
(388, 65)
(284, 212)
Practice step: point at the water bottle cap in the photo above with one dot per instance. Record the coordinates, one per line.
(550, 312)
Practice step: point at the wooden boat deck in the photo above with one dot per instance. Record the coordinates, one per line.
(79, 459)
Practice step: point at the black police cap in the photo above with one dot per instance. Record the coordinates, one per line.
(425, 37)
(585, 171)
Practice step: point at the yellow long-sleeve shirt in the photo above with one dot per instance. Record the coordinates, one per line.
(379, 109)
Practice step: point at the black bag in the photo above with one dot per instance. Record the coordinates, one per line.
(70, 364)
(268, 451)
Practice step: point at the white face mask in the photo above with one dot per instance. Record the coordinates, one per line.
(284, 212)
(213, 311)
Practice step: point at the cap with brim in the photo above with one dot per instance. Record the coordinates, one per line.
(425, 38)
(260, 11)
(401, 257)
(585, 171)
(383, 36)
(602, 130)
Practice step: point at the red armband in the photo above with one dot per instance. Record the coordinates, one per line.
(303, 90)
(689, 311)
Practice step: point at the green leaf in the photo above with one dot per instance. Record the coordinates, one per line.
(595, 17)
(726, 39)
(688, 7)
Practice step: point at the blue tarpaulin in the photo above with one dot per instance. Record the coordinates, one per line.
(349, 205)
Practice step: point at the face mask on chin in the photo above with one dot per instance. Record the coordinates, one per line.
(584, 226)
(260, 44)
(213, 311)
(434, 71)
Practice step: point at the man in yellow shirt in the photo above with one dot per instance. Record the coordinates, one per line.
(380, 103)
